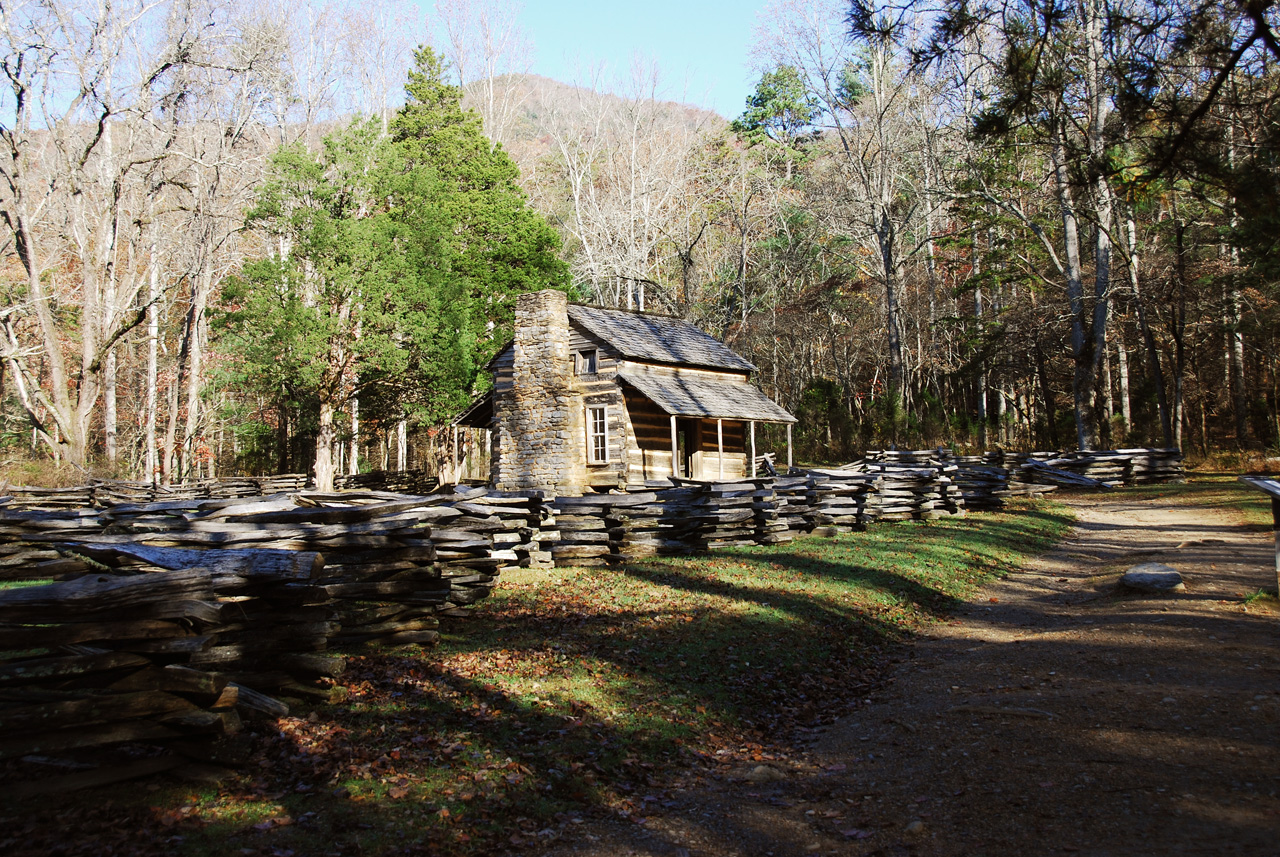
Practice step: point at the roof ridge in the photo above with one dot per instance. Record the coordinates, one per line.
(635, 312)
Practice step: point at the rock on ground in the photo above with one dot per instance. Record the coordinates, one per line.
(1152, 577)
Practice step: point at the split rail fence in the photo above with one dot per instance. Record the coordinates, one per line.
(168, 621)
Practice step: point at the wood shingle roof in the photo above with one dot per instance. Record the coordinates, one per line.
(709, 398)
(657, 338)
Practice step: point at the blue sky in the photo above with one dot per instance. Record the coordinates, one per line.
(701, 46)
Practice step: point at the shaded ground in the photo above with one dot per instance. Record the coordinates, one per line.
(1052, 715)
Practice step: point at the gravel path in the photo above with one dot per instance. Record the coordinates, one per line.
(1052, 716)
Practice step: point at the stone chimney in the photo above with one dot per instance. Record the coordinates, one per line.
(533, 446)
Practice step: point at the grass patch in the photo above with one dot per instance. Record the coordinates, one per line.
(577, 692)
(1220, 490)
(22, 584)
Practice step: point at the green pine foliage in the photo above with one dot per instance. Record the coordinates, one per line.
(396, 263)
(497, 246)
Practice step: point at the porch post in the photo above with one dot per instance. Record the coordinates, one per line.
(720, 448)
(753, 448)
(675, 457)
(789, 459)
(455, 454)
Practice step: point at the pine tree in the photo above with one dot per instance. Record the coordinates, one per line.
(398, 261)
(497, 246)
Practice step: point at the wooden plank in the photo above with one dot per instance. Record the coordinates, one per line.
(99, 593)
(93, 779)
(245, 563)
(94, 709)
(49, 636)
(50, 669)
(204, 687)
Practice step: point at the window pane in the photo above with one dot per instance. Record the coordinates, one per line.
(597, 435)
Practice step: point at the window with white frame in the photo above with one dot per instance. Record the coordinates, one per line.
(597, 434)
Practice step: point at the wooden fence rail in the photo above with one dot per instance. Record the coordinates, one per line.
(168, 619)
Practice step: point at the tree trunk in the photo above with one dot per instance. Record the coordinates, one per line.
(353, 454)
(1046, 394)
(1235, 338)
(977, 314)
(1099, 110)
(1179, 334)
(324, 447)
(402, 445)
(1148, 336)
(282, 439)
(893, 290)
(149, 456)
(1122, 367)
(1235, 356)
(110, 427)
(1082, 381)
(195, 371)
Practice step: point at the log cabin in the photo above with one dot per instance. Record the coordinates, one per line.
(586, 399)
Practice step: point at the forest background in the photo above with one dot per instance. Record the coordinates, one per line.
(239, 239)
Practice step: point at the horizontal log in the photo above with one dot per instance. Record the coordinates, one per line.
(201, 687)
(94, 736)
(411, 638)
(278, 632)
(288, 565)
(392, 626)
(313, 665)
(92, 779)
(67, 666)
(487, 562)
(251, 700)
(49, 636)
(100, 593)
(375, 590)
(91, 710)
(579, 537)
(578, 551)
(225, 722)
(183, 646)
(332, 514)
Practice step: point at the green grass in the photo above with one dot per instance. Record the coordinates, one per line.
(1264, 596)
(1219, 490)
(21, 584)
(583, 691)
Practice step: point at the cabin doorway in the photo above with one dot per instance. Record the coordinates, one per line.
(686, 446)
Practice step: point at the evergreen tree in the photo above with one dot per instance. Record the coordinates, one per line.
(779, 112)
(497, 246)
(316, 323)
(398, 260)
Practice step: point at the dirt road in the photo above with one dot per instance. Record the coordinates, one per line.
(1053, 715)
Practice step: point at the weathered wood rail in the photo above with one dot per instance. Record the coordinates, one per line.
(168, 620)
(153, 644)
